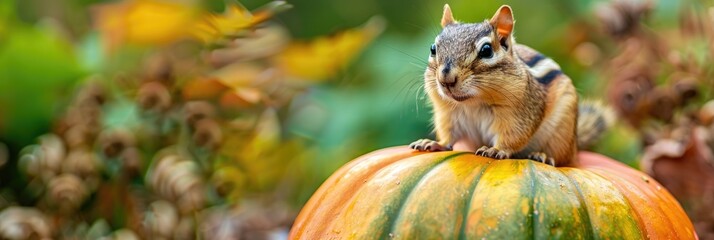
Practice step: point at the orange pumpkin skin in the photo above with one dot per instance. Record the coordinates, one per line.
(399, 193)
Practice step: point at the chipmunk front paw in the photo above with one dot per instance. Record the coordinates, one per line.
(492, 152)
(541, 157)
(428, 145)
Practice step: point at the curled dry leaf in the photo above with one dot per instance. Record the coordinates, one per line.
(24, 223)
(686, 168)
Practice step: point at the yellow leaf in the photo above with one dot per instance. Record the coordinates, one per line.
(325, 57)
(234, 21)
(144, 22)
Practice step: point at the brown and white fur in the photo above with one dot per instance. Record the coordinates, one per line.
(515, 103)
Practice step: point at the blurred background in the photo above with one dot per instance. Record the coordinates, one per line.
(218, 119)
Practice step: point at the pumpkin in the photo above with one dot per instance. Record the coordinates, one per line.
(400, 193)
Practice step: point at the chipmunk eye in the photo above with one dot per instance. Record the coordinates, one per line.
(486, 51)
(433, 49)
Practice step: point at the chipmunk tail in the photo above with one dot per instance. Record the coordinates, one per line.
(594, 118)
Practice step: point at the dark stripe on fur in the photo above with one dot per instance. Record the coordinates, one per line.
(545, 80)
(534, 60)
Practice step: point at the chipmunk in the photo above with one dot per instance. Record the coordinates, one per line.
(506, 98)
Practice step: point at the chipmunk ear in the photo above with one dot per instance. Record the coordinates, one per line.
(502, 21)
(447, 18)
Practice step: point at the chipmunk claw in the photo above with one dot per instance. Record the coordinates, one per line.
(492, 152)
(428, 145)
(541, 157)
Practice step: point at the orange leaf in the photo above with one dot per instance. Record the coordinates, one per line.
(208, 88)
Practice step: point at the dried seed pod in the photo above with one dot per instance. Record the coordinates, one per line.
(663, 104)
(197, 110)
(686, 90)
(220, 223)
(91, 93)
(629, 95)
(88, 114)
(113, 142)
(31, 161)
(53, 151)
(131, 161)
(159, 68)
(153, 97)
(207, 133)
(81, 162)
(79, 135)
(177, 178)
(161, 220)
(24, 223)
(706, 114)
(186, 228)
(4, 154)
(84, 164)
(44, 159)
(66, 192)
(621, 18)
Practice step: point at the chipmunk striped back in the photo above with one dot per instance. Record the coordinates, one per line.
(593, 117)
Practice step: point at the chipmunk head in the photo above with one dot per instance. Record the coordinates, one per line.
(474, 62)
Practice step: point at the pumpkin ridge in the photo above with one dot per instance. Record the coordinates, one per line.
(634, 177)
(531, 171)
(586, 219)
(599, 171)
(634, 211)
(392, 221)
(333, 183)
(467, 205)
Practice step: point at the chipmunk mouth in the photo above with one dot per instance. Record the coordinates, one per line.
(460, 98)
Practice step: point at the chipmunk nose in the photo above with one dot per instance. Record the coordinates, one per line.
(447, 79)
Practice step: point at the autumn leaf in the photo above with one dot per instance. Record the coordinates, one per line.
(143, 22)
(326, 56)
(234, 21)
(203, 88)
